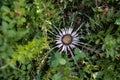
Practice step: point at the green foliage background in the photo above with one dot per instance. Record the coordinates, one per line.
(26, 48)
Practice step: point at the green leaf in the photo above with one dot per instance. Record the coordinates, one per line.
(54, 63)
(110, 53)
(4, 25)
(29, 66)
(100, 9)
(23, 20)
(57, 77)
(62, 61)
(70, 0)
(5, 8)
(79, 53)
(98, 74)
(97, 41)
(6, 18)
(117, 21)
(57, 55)
(20, 34)
(11, 33)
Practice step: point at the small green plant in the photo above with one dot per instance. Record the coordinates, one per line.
(60, 68)
(23, 37)
(22, 59)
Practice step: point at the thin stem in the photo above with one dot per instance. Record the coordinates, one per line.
(52, 33)
(96, 3)
(71, 22)
(84, 44)
(73, 57)
(80, 27)
(90, 49)
(44, 59)
(55, 27)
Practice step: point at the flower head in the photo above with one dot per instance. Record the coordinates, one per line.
(67, 39)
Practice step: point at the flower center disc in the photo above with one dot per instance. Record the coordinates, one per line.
(67, 39)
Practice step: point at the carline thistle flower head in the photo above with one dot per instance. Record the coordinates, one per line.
(67, 39)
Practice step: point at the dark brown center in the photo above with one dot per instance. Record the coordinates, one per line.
(67, 39)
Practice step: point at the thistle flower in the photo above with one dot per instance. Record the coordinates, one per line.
(67, 39)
